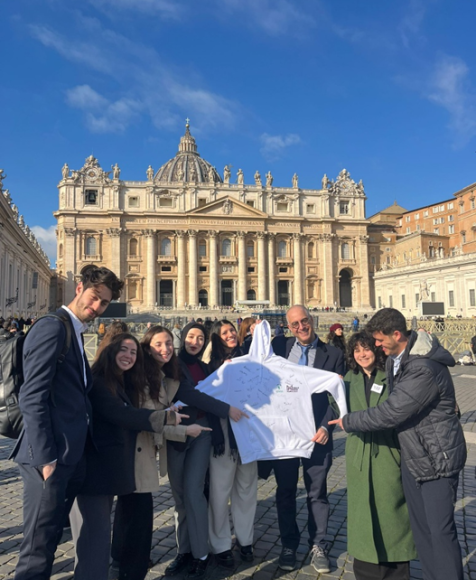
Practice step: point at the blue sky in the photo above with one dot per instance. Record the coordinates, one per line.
(385, 89)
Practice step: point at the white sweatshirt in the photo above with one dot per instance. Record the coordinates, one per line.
(276, 394)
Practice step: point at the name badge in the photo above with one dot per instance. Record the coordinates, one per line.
(377, 388)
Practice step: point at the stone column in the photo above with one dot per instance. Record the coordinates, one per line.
(151, 289)
(70, 261)
(242, 266)
(272, 267)
(262, 278)
(327, 269)
(115, 235)
(298, 289)
(213, 264)
(192, 268)
(181, 265)
(362, 258)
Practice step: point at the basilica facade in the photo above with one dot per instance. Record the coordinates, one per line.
(187, 236)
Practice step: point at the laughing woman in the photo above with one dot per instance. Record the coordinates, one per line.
(229, 478)
(379, 535)
(118, 386)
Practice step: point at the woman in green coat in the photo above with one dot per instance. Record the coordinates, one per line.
(379, 534)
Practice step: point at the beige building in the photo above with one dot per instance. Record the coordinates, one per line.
(188, 236)
(427, 254)
(25, 274)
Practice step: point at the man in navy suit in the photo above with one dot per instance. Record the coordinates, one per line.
(307, 349)
(56, 417)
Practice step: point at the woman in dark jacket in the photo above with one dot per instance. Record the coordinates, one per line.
(118, 381)
(229, 478)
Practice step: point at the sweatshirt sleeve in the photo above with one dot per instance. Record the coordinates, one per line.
(320, 381)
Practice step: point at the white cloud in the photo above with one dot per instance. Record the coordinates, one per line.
(449, 87)
(273, 146)
(143, 83)
(410, 25)
(275, 17)
(103, 116)
(47, 240)
(164, 8)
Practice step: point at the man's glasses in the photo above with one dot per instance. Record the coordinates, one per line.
(304, 322)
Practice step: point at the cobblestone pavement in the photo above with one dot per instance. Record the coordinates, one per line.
(266, 541)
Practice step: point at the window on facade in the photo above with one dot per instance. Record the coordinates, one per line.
(90, 246)
(251, 270)
(202, 202)
(282, 206)
(226, 247)
(372, 260)
(404, 301)
(472, 203)
(91, 197)
(418, 227)
(463, 237)
(472, 299)
(451, 218)
(433, 296)
(388, 259)
(407, 218)
(133, 245)
(344, 207)
(250, 250)
(282, 249)
(250, 202)
(425, 213)
(166, 247)
(451, 298)
(390, 301)
(450, 205)
(134, 201)
(451, 229)
(436, 230)
(379, 300)
(417, 216)
(435, 209)
(166, 269)
(132, 290)
(408, 231)
(166, 202)
(345, 251)
(60, 251)
(310, 208)
(202, 268)
(283, 270)
(310, 250)
(202, 248)
(435, 221)
(251, 295)
(417, 298)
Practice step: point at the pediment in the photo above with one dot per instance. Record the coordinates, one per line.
(227, 207)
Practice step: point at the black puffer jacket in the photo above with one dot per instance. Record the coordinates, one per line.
(422, 408)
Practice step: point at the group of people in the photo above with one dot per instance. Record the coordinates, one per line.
(92, 434)
(10, 327)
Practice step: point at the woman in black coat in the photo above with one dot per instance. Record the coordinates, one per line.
(118, 381)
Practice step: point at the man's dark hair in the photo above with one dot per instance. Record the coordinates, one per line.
(92, 275)
(365, 340)
(387, 321)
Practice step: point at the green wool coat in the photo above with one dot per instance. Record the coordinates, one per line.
(378, 527)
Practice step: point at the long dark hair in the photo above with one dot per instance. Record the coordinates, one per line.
(116, 327)
(336, 340)
(365, 340)
(151, 366)
(220, 352)
(131, 381)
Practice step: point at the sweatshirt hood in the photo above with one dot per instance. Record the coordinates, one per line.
(427, 345)
(261, 348)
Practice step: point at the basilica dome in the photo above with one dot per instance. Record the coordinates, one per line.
(187, 165)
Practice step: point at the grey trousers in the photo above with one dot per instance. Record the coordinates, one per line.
(90, 519)
(187, 470)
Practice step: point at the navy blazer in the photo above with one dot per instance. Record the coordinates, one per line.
(328, 358)
(53, 428)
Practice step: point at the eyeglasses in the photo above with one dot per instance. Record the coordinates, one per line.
(305, 322)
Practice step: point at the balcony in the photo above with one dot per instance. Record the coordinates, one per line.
(166, 259)
(228, 260)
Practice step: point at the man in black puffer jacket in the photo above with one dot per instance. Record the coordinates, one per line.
(422, 408)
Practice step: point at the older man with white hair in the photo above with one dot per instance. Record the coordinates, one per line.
(305, 348)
